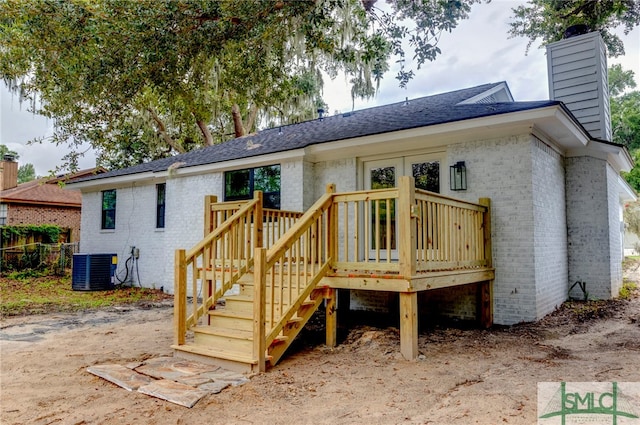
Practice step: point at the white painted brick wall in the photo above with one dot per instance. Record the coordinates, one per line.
(185, 215)
(135, 226)
(550, 228)
(523, 177)
(501, 169)
(292, 186)
(615, 232)
(588, 225)
(342, 172)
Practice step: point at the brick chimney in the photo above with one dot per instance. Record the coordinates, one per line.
(577, 72)
(8, 173)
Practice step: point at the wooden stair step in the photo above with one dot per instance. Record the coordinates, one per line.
(221, 353)
(243, 304)
(224, 332)
(226, 313)
(229, 319)
(237, 340)
(237, 361)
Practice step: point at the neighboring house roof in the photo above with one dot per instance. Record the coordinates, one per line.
(47, 191)
(426, 111)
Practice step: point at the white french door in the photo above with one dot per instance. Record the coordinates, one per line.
(380, 217)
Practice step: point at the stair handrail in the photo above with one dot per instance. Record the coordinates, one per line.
(203, 248)
(266, 260)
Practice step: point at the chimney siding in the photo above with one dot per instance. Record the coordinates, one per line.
(577, 69)
(8, 175)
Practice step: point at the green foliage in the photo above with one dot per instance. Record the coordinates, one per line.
(27, 274)
(146, 79)
(631, 214)
(625, 118)
(627, 290)
(620, 80)
(548, 19)
(50, 233)
(26, 173)
(29, 292)
(4, 150)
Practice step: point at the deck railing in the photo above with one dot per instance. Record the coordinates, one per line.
(275, 222)
(404, 230)
(287, 273)
(215, 264)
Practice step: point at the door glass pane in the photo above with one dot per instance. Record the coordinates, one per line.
(383, 178)
(427, 175)
(383, 220)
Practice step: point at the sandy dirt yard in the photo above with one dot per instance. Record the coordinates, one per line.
(462, 376)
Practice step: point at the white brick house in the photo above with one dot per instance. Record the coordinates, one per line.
(555, 189)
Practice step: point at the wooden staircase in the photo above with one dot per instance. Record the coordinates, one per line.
(344, 241)
(247, 309)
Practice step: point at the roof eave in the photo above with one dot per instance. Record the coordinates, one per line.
(552, 120)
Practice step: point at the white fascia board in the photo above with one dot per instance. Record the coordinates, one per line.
(236, 164)
(616, 156)
(161, 176)
(577, 136)
(113, 182)
(626, 192)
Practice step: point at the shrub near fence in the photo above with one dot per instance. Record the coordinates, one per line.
(36, 247)
(55, 257)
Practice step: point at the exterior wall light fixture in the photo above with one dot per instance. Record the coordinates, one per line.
(458, 176)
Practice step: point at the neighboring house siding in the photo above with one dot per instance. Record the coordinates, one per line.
(68, 217)
(587, 226)
(550, 228)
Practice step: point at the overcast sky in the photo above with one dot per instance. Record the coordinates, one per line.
(477, 52)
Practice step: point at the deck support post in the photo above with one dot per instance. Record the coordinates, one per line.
(485, 289)
(409, 325)
(331, 317)
(259, 307)
(180, 298)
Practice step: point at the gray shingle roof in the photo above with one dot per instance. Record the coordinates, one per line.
(421, 112)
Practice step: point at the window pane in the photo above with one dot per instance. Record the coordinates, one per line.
(237, 184)
(109, 209)
(160, 204)
(383, 178)
(267, 179)
(427, 175)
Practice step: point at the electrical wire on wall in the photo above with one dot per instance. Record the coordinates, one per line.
(130, 264)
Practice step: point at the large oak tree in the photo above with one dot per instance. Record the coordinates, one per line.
(139, 80)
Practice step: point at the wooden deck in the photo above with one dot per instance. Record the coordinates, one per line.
(402, 240)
